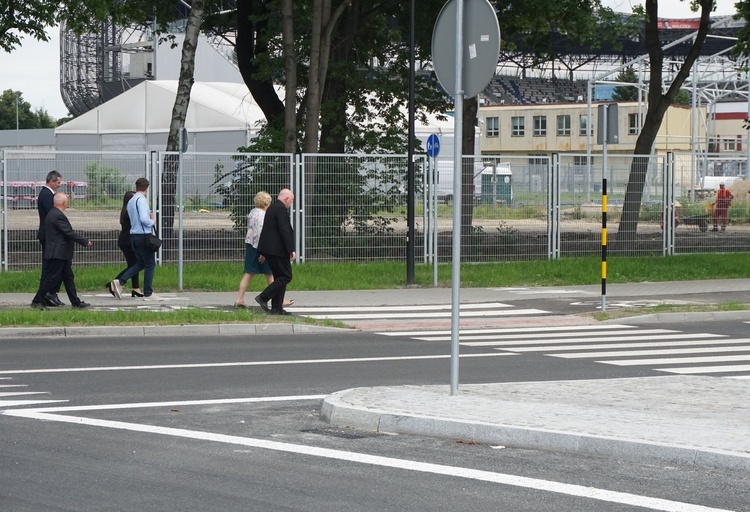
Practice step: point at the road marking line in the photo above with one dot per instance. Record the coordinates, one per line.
(571, 334)
(19, 393)
(677, 360)
(243, 363)
(425, 315)
(17, 403)
(510, 330)
(626, 353)
(582, 345)
(603, 338)
(586, 492)
(706, 369)
(424, 307)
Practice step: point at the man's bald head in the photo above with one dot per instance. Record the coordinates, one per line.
(286, 196)
(60, 200)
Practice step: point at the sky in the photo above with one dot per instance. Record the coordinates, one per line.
(34, 68)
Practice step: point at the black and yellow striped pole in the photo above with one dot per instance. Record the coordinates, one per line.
(604, 244)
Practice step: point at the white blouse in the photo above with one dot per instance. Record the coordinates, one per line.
(254, 226)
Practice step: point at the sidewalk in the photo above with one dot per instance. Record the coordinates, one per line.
(683, 420)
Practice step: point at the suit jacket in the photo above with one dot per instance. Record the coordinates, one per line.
(44, 205)
(60, 236)
(277, 235)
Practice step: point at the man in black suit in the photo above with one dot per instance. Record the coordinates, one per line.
(44, 204)
(58, 250)
(276, 245)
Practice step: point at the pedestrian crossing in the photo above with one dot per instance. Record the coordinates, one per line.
(16, 395)
(662, 350)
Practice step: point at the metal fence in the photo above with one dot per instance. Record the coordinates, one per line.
(354, 207)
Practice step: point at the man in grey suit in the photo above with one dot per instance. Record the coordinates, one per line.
(59, 250)
(44, 204)
(276, 245)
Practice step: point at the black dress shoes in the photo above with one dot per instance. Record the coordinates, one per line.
(38, 305)
(51, 301)
(57, 300)
(262, 303)
(280, 312)
(81, 305)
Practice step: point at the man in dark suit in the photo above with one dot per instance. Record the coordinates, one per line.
(276, 245)
(58, 250)
(44, 204)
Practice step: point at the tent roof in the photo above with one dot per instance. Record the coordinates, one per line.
(147, 108)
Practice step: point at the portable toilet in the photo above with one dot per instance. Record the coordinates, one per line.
(497, 184)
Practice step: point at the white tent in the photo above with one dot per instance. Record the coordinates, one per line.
(221, 117)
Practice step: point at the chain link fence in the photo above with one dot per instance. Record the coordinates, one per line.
(354, 207)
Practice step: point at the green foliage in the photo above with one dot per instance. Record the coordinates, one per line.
(626, 92)
(27, 119)
(682, 98)
(104, 183)
(251, 174)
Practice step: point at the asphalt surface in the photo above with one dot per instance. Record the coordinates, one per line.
(685, 420)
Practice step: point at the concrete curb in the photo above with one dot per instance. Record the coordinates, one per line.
(336, 411)
(164, 330)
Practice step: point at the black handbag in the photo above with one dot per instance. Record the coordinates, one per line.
(153, 242)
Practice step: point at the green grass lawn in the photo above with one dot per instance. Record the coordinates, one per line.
(224, 277)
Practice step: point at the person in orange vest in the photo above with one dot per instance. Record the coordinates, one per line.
(721, 206)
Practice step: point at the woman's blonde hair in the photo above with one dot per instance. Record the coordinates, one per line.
(262, 199)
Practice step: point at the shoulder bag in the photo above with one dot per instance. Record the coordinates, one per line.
(153, 242)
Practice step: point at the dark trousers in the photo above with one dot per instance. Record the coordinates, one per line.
(131, 259)
(282, 276)
(144, 260)
(59, 271)
(45, 270)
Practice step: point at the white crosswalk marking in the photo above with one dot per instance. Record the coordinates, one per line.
(5, 395)
(419, 312)
(663, 349)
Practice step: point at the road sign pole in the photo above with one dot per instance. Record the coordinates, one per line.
(458, 103)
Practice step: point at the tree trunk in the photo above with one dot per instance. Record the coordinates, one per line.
(290, 72)
(179, 113)
(658, 104)
(252, 16)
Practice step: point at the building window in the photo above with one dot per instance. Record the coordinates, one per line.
(729, 145)
(518, 126)
(583, 122)
(540, 126)
(634, 126)
(493, 127)
(563, 125)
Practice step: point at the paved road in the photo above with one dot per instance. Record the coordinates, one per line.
(513, 361)
(232, 423)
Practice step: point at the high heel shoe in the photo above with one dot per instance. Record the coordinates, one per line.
(136, 294)
(108, 286)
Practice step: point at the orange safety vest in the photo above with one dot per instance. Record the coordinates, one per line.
(724, 197)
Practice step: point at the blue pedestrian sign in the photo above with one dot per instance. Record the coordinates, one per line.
(433, 145)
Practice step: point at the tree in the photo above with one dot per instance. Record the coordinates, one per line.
(34, 17)
(179, 111)
(626, 92)
(27, 118)
(658, 103)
